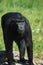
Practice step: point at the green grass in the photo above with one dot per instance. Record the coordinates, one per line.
(34, 14)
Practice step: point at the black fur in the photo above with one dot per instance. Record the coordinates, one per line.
(11, 33)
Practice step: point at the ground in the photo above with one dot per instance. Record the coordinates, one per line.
(36, 60)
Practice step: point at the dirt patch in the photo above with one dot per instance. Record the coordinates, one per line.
(36, 60)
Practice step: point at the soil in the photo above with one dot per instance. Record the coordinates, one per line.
(36, 60)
